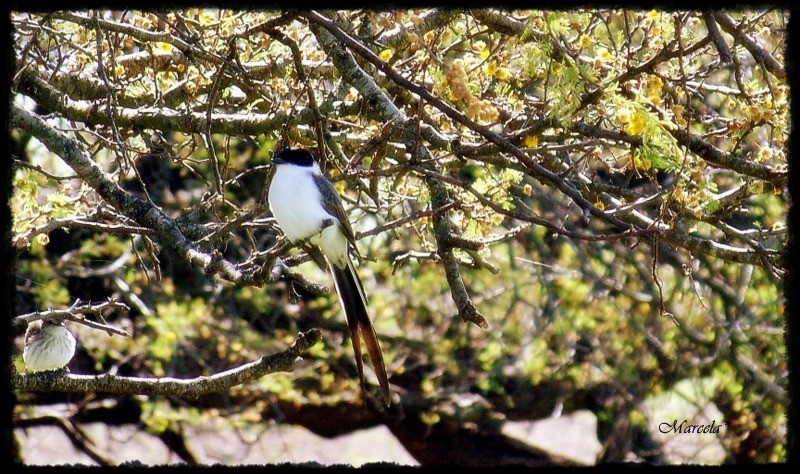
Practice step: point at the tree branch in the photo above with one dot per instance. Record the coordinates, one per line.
(152, 117)
(431, 20)
(77, 313)
(168, 386)
(719, 41)
(140, 211)
(25, 239)
(696, 145)
(760, 54)
(168, 231)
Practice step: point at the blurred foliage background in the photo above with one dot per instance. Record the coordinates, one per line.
(674, 123)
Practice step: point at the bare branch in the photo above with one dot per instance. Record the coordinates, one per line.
(25, 239)
(722, 47)
(404, 220)
(168, 386)
(77, 313)
(41, 170)
(274, 22)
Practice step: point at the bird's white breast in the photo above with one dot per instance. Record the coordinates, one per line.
(296, 204)
(54, 348)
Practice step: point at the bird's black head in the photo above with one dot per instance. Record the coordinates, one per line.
(294, 156)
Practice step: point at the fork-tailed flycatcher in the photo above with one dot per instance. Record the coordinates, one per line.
(309, 211)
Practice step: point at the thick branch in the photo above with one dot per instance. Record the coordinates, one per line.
(186, 388)
(152, 117)
(140, 211)
(431, 20)
(506, 24)
(714, 155)
(696, 145)
(139, 33)
(719, 41)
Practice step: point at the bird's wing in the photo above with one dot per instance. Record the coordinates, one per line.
(332, 203)
(315, 255)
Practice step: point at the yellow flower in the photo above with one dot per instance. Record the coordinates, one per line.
(636, 124)
(490, 68)
(502, 73)
(58, 199)
(654, 86)
(164, 47)
(633, 120)
(641, 163)
(604, 54)
(386, 54)
(206, 17)
(430, 418)
(531, 141)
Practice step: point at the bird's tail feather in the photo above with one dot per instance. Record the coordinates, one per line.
(351, 294)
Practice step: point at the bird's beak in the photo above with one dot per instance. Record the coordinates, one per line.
(278, 160)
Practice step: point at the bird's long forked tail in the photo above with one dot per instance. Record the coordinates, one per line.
(351, 294)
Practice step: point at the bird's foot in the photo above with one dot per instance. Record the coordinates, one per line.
(324, 225)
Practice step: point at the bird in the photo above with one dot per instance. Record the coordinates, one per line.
(49, 345)
(309, 211)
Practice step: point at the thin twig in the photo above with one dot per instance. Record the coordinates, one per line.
(760, 54)
(76, 313)
(39, 169)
